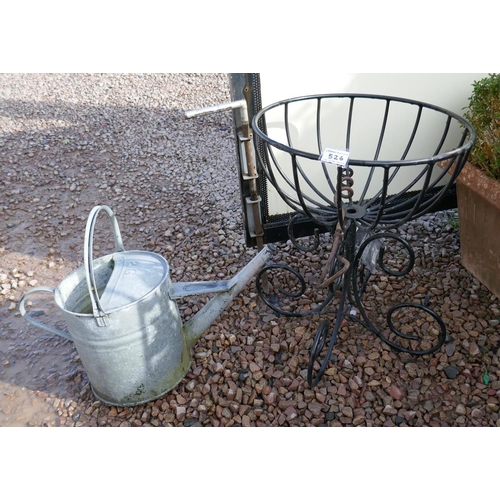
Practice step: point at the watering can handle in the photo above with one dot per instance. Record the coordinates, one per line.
(33, 321)
(97, 309)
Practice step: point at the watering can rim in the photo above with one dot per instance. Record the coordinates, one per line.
(58, 296)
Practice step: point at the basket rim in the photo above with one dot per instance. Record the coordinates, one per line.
(465, 148)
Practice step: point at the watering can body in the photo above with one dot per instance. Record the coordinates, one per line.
(121, 314)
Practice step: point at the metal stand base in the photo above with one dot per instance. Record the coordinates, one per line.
(356, 260)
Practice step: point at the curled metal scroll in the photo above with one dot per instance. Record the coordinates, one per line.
(296, 244)
(272, 299)
(413, 338)
(316, 349)
(394, 336)
(322, 336)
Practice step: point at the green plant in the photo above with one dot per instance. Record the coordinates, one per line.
(453, 222)
(483, 113)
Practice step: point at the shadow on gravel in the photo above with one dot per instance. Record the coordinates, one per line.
(52, 176)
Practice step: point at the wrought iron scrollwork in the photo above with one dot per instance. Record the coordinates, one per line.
(273, 300)
(355, 260)
(414, 339)
(390, 193)
(319, 342)
(395, 337)
(296, 244)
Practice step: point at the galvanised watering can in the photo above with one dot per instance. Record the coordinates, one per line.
(121, 314)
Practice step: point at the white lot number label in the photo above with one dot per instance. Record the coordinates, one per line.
(335, 156)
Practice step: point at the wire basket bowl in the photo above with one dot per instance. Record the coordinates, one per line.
(403, 156)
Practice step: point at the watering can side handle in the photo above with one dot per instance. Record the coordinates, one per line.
(35, 322)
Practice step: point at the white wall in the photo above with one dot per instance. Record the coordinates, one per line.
(448, 90)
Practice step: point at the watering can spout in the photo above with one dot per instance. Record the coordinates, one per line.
(203, 319)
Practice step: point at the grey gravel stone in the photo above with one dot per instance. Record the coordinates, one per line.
(451, 372)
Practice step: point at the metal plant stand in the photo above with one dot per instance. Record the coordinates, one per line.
(359, 204)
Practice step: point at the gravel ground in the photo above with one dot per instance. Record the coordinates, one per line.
(70, 142)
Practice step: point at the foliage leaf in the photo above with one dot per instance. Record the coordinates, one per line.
(483, 113)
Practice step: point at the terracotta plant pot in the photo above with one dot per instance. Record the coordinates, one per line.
(478, 199)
